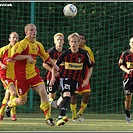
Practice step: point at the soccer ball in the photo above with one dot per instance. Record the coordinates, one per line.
(70, 10)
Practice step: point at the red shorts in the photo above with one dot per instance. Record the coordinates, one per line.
(81, 90)
(23, 86)
(7, 82)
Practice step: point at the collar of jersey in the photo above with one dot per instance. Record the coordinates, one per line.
(29, 40)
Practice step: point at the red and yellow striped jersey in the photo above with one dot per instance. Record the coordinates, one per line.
(23, 69)
(126, 59)
(74, 64)
(54, 55)
(5, 55)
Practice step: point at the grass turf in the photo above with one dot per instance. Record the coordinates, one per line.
(92, 122)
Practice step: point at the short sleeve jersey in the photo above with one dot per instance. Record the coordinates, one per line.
(74, 64)
(126, 59)
(90, 53)
(54, 55)
(5, 57)
(23, 69)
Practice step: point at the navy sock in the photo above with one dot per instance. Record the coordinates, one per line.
(63, 106)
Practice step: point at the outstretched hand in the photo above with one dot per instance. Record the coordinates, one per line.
(130, 71)
(55, 73)
(52, 82)
(85, 83)
(30, 59)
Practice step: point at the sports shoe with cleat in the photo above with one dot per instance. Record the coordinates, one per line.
(80, 118)
(128, 120)
(74, 119)
(60, 122)
(50, 122)
(8, 110)
(65, 118)
(1, 117)
(13, 118)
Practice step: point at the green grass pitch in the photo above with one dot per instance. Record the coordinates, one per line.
(92, 122)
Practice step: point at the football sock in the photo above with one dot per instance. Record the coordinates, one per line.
(73, 109)
(12, 103)
(4, 101)
(45, 106)
(2, 109)
(127, 112)
(82, 108)
(11, 97)
(63, 106)
(13, 111)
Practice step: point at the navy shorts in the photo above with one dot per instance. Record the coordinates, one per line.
(68, 85)
(54, 88)
(128, 86)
